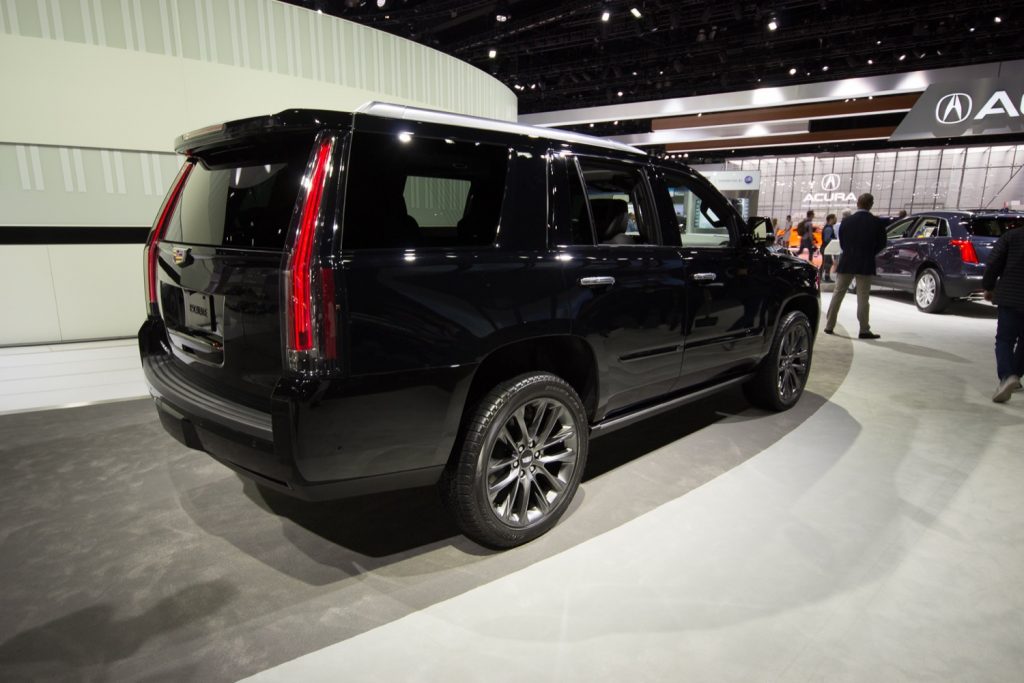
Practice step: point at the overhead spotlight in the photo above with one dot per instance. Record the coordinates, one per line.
(381, 3)
(902, 57)
(492, 53)
(501, 18)
(772, 25)
(878, 42)
(870, 62)
(825, 68)
(998, 20)
(606, 15)
(971, 29)
(615, 123)
(792, 72)
(591, 125)
(533, 86)
(686, 155)
(619, 93)
(636, 13)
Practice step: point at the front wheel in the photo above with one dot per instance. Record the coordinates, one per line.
(928, 292)
(522, 454)
(780, 379)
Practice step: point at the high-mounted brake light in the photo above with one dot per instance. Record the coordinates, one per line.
(300, 304)
(967, 252)
(159, 230)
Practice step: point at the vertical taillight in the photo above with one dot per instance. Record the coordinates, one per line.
(301, 276)
(152, 251)
(967, 252)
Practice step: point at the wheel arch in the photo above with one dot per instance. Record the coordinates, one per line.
(566, 356)
(805, 303)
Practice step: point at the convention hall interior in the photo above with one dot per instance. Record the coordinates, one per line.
(442, 230)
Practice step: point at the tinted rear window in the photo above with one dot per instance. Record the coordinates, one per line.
(245, 204)
(994, 226)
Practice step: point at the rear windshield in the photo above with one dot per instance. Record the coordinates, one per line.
(245, 203)
(994, 226)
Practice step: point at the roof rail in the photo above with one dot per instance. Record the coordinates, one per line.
(401, 111)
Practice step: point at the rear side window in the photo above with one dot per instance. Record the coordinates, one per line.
(406, 191)
(994, 226)
(608, 200)
(702, 217)
(245, 204)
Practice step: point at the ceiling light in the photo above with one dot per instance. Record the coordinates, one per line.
(825, 68)
(606, 15)
(972, 29)
(619, 93)
(792, 72)
(902, 57)
(870, 62)
(492, 53)
(878, 42)
(501, 18)
(636, 13)
(772, 25)
(615, 123)
(591, 125)
(405, 137)
(998, 20)
(381, 3)
(686, 155)
(533, 86)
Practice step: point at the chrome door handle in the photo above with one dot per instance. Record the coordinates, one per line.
(599, 281)
(704, 277)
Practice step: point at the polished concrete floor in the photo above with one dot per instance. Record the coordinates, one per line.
(874, 532)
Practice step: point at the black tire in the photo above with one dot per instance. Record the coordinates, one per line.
(782, 375)
(520, 458)
(929, 292)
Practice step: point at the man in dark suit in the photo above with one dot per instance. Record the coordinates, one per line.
(862, 236)
(1004, 286)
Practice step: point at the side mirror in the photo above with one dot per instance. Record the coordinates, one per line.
(760, 230)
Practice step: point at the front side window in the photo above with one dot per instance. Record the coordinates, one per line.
(608, 204)
(899, 229)
(702, 217)
(404, 191)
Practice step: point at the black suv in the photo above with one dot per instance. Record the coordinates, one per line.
(941, 255)
(343, 303)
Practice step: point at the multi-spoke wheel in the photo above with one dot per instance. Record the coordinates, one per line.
(520, 462)
(780, 379)
(928, 292)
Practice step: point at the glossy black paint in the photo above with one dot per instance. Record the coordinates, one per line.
(418, 327)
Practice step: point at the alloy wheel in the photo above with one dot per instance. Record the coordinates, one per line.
(532, 461)
(926, 289)
(793, 362)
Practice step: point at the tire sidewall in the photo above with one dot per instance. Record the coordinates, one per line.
(539, 386)
(792, 319)
(937, 301)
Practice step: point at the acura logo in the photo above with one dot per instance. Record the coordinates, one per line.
(830, 182)
(953, 108)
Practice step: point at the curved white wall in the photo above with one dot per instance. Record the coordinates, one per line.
(95, 91)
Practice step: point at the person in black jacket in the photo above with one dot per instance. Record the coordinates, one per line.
(861, 237)
(1004, 286)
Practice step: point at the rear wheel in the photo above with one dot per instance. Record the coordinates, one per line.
(522, 454)
(782, 375)
(928, 292)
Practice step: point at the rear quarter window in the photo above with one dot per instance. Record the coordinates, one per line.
(406, 191)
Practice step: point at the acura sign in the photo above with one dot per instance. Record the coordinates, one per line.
(987, 106)
(832, 195)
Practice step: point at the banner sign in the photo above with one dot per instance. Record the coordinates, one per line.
(987, 106)
(734, 180)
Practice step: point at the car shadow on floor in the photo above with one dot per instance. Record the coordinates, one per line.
(963, 308)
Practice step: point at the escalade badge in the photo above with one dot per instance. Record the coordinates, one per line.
(182, 256)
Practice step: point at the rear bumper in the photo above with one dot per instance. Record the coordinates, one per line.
(961, 286)
(317, 443)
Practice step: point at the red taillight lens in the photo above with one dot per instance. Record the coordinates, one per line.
(967, 252)
(160, 228)
(301, 330)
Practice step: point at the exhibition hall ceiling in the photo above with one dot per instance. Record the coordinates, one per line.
(566, 55)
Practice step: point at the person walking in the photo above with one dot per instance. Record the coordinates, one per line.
(1003, 282)
(862, 236)
(806, 231)
(828, 233)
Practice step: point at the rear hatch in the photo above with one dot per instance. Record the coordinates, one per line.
(220, 261)
(985, 230)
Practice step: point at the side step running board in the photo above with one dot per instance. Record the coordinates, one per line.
(607, 426)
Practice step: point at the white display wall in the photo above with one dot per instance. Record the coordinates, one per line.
(95, 91)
